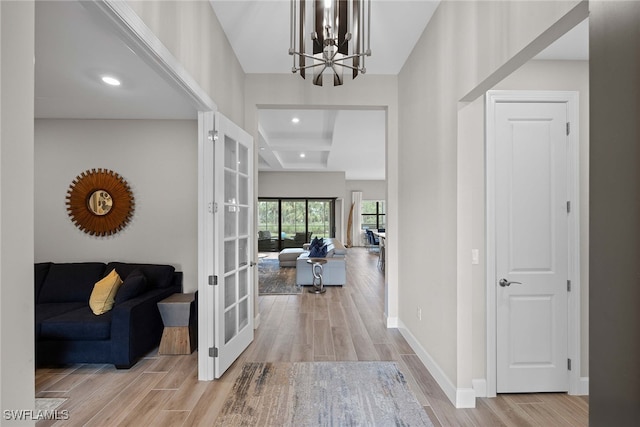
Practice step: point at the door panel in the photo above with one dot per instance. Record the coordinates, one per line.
(234, 194)
(531, 247)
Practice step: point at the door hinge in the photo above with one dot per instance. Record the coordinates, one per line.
(568, 207)
(213, 280)
(213, 135)
(568, 128)
(213, 351)
(569, 364)
(568, 285)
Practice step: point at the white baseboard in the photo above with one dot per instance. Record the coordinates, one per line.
(392, 322)
(480, 387)
(584, 386)
(460, 397)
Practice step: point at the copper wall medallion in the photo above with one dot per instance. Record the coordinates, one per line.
(100, 202)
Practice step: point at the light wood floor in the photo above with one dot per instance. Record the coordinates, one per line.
(345, 324)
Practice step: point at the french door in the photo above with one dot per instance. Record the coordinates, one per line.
(226, 247)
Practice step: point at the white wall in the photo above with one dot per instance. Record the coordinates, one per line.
(158, 158)
(465, 49)
(17, 383)
(371, 190)
(191, 31)
(301, 184)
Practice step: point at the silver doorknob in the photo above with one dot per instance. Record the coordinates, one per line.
(252, 263)
(505, 282)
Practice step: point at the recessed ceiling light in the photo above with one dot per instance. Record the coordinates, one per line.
(302, 155)
(111, 81)
(295, 120)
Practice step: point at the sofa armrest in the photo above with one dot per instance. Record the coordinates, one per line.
(136, 326)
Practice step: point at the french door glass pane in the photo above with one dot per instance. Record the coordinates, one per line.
(230, 187)
(243, 282)
(229, 256)
(230, 154)
(243, 159)
(243, 187)
(243, 252)
(230, 221)
(243, 313)
(229, 290)
(230, 324)
(243, 229)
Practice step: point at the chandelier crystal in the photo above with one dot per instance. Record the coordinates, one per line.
(340, 38)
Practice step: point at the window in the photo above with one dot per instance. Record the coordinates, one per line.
(287, 223)
(373, 214)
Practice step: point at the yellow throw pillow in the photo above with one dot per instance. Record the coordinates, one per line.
(104, 293)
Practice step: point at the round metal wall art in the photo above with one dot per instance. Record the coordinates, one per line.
(100, 202)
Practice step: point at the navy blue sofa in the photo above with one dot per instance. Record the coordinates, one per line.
(67, 331)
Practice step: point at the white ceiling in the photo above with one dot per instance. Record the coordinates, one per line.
(74, 49)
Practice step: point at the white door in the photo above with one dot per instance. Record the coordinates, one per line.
(232, 272)
(531, 239)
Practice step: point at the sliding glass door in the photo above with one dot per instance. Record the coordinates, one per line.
(321, 218)
(290, 223)
(268, 225)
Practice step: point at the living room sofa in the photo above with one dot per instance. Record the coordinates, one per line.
(335, 270)
(66, 329)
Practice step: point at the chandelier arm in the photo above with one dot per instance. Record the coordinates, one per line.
(306, 55)
(312, 66)
(351, 57)
(347, 66)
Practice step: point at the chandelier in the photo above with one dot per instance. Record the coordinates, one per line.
(340, 38)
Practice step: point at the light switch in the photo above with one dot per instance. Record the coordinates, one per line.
(475, 256)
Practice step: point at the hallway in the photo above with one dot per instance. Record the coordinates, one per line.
(344, 324)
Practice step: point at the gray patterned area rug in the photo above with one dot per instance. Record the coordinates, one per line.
(322, 394)
(273, 280)
(49, 403)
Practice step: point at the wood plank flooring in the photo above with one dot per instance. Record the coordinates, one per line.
(344, 324)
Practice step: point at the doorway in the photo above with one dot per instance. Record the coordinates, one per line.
(532, 242)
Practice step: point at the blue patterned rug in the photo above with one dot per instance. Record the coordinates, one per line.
(322, 394)
(273, 280)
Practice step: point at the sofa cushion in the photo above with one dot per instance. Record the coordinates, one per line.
(52, 309)
(134, 285)
(104, 293)
(70, 282)
(158, 275)
(317, 251)
(80, 324)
